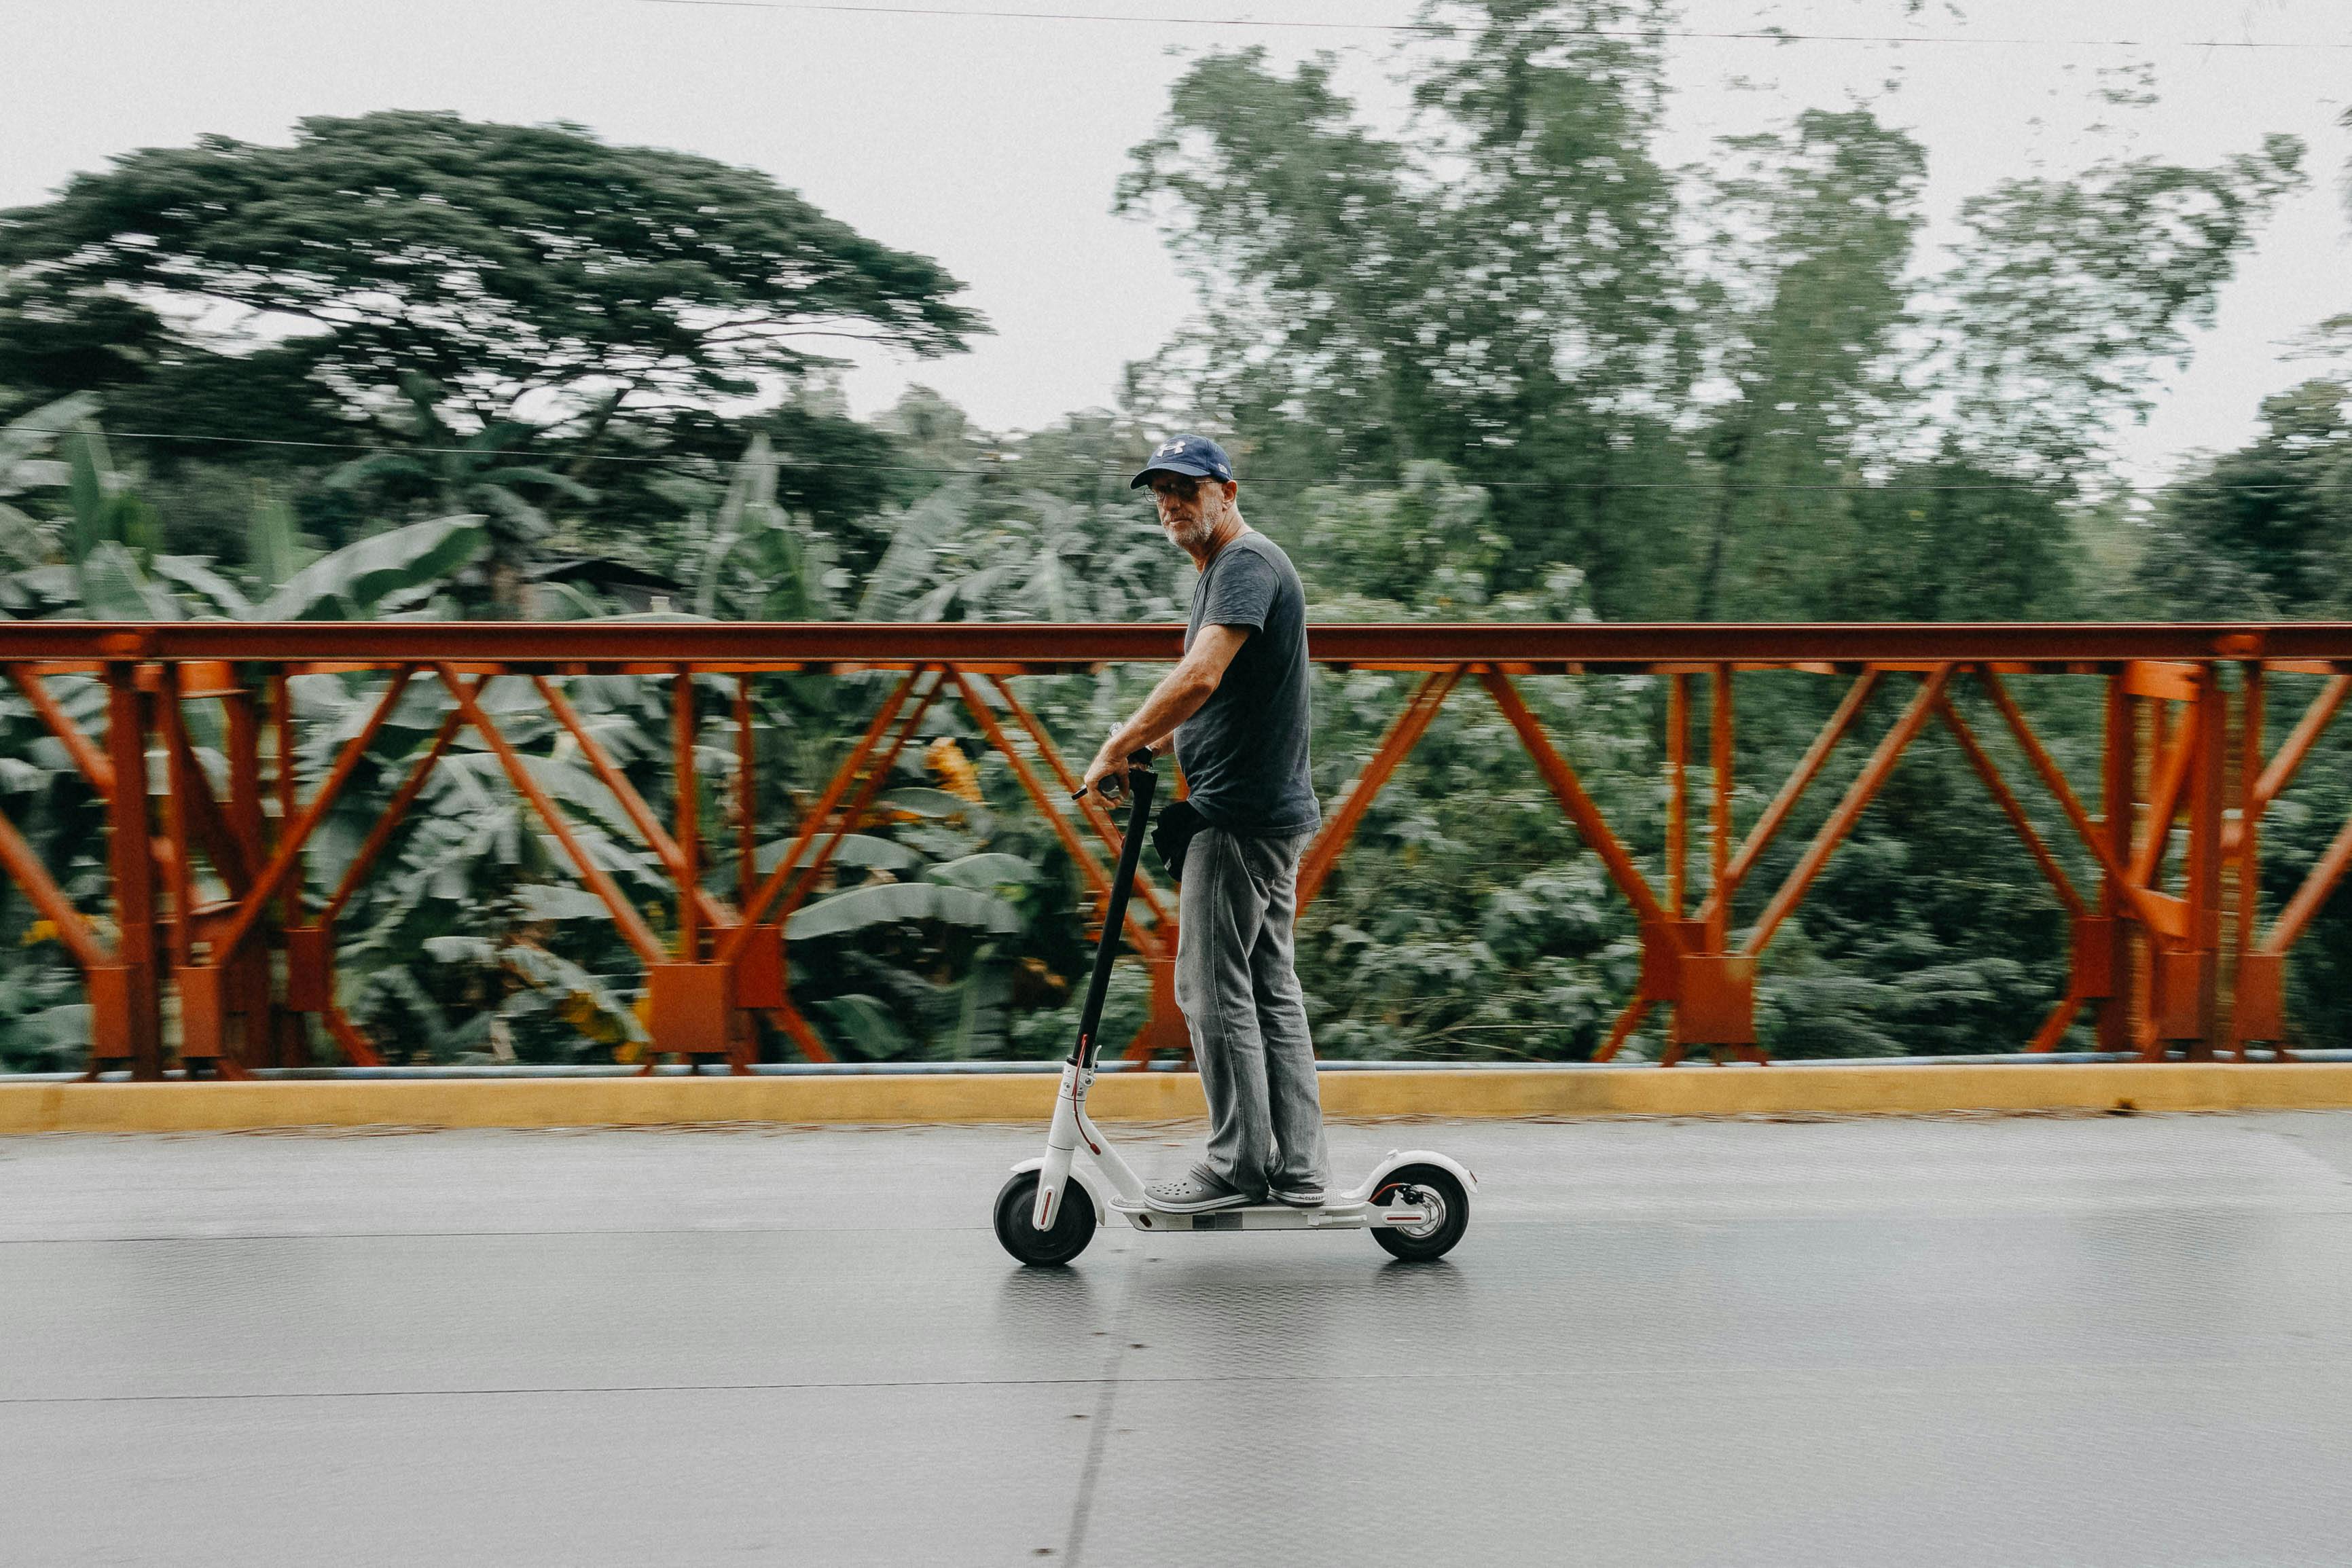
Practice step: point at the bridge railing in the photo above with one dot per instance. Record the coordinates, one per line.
(210, 900)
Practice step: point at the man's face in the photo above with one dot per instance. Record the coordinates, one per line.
(1190, 508)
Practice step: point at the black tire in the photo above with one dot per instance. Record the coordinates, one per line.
(1420, 1246)
(1073, 1224)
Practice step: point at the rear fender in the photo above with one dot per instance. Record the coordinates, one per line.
(1397, 1160)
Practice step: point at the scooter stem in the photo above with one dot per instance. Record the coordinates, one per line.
(1142, 780)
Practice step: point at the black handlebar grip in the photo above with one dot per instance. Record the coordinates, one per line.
(1138, 761)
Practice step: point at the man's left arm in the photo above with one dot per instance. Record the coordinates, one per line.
(1179, 696)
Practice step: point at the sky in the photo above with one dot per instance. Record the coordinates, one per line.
(993, 143)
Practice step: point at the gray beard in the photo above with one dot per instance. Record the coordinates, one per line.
(1190, 536)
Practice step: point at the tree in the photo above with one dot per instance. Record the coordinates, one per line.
(1509, 287)
(1497, 294)
(2267, 529)
(1816, 228)
(2068, 293)
(526, 270)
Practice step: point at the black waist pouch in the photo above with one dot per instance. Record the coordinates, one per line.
(1172, 835)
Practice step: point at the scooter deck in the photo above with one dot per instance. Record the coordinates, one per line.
(1272, 1216)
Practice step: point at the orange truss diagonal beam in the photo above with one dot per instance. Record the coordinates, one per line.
(2297, 745)
(1570, 791)
(859, 802)
(274, 875)
(87, 757)
(357, 1047)
(633, 926)
(395, 812)
(2054, 778)
(1849, 810)
(1767, 827)
(2312, 895)
(1146, 940)
(2011, 808)
(608, 773)
(1089, 806)
(2055, 1025)
(26, 869)
(1404, 735)
(2292, 752)
(207, 823)
(2164, 805)
(755, 908)
(1622, 1029)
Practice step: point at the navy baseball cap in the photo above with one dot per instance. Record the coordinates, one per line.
(1194, 455)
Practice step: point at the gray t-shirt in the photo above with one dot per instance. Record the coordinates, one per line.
(1245, 753)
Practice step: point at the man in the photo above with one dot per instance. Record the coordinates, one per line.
(1236, 705)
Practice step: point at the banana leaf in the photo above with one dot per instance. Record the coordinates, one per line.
(34, 432)
(919, 802)
(197, 576)
(867, 1026)
(112, 588)
(547, 901)
(271, 551)
(862, 850)
(902, 904)
(983, 871)
(349, 583)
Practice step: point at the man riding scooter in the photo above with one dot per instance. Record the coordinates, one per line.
(1237, 710)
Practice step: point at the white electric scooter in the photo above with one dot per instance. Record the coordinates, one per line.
(1415, 1203)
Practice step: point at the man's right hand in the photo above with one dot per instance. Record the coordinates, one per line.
(1106, 776)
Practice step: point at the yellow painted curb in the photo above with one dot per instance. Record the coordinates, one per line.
(1859, 1090)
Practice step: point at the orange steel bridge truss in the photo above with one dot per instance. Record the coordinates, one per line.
(2166, 961)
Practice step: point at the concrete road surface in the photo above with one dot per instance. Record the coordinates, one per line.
(2028, 1342)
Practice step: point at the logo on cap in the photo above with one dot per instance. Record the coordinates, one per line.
(1194, 455)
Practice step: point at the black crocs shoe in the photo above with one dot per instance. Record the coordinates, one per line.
(1197, 1193)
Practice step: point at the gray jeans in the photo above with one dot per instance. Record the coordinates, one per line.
(1241, 1003)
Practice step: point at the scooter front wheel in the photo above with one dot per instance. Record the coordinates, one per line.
(1074, 1223)
(1449, 1216)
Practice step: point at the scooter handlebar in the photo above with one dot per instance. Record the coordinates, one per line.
(1138, 761)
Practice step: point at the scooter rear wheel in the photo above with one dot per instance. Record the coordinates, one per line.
(1074, 1223)
(1435, 1238)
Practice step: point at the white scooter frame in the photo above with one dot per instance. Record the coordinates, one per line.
(1415, 1201)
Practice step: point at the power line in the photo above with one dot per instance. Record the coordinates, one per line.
(1012, 467)
(1441, 29)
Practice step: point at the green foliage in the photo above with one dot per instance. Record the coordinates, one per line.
(2267, 529)
(756, 560)
(486, 473)
(1430, 542)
